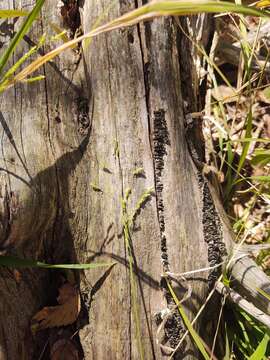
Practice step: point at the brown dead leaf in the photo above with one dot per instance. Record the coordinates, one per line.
(264, 95)
(17, 276)
(64, 349)
(226, 94)
(64, 314)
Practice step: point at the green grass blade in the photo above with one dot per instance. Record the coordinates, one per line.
(195, 336)
(261, 157)
(61, 33)
(247, 144)
(228, 177)
(20, 34)
(260, 178)
(33, 79)
(7, 14)
(257, 140)
(257, 329)
(261, 349)
(15, 262)
(29, 53)
(228, 351)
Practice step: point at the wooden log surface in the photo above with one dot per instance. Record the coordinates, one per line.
(101, 125)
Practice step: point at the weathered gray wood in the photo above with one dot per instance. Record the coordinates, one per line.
(247, 306)
(71, 149)
(40, 179)
(135, 78)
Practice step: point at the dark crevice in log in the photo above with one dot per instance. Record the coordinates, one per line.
(212, 230)
(71, 15)
(83, 118)
(160, 141)
(212, 225)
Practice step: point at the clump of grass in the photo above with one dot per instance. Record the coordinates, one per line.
(246, 338)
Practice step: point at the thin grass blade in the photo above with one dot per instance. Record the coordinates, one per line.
(197, 339)
(33, 79)
(247, 144)
(15, 262)
(260, 352)
(18, 37)
(261, 157)
(59, 31)
(7, 14)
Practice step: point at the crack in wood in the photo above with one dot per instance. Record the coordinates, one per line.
(211, 222)
(71, 16)
(83, 118)
(173, 328)
(160, 140)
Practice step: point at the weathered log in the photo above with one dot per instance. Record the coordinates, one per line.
(99, 127)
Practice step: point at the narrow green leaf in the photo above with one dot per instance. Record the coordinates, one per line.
(256, 326)
(228, 351)
(20, 34)
(247, 144)
(61, 33)
(259, 353)
(261, 178)
(259, 140)
(230, 158)
(35, 78)
(15, 262)
(261, 157)
(7, 14)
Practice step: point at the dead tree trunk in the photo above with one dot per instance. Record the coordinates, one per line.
(99, 142)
